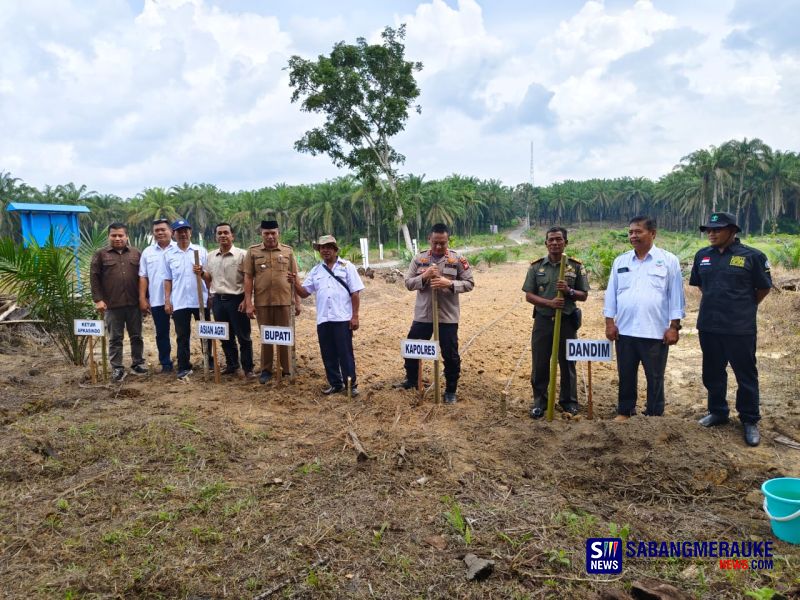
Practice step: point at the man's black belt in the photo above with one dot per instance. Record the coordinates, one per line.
(224, 297)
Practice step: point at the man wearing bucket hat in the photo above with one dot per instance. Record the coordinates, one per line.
(337, 285)
(733, 279)
(268, 292)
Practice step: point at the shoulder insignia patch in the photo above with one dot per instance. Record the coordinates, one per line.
(538, 260)
(423, 260)
(575, 260)
(464, 262)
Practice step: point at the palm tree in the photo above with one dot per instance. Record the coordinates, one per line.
(744, 155)
(154, 203)
(199, 204)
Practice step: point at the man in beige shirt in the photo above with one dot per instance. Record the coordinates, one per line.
(267, 291)
(225, 279)
(448, 274)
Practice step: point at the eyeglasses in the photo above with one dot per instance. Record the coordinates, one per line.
(160, 221)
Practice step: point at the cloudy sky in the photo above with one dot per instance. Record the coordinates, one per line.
(125, 94)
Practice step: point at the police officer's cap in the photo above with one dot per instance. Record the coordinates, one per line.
(269, 225)
(720, 220)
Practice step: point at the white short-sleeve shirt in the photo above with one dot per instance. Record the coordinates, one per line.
(333, 301)
(178, 265)
(151, 266)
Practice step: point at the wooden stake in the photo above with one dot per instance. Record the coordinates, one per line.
(293, 351)
(216, 360)
(201, 311)
(590, 403)
(551, 388)
(437, 397)
(92, 365)
(105, 357)
(420, 389)
(349, 388)
(276, 350)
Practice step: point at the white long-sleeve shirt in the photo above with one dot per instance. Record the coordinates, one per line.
(643, 296)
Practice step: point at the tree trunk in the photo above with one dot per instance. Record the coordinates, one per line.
(400, 216)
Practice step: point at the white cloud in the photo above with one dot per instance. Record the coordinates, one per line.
(194, 90)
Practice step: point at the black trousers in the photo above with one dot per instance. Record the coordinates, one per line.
(226, 308)
(720, 350)
(542, 349)
(336, 346)
(183, 330)
(652, 354)
(448, 344)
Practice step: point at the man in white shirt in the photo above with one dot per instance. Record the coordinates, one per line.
(337, 285)
(226, 284)
(644, 305)
(151, 288)
(180, 291)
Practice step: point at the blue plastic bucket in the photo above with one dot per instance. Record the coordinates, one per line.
(782, 505)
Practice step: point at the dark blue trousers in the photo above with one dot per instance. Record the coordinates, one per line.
(738, 351)
(336, 346)
(161, 321)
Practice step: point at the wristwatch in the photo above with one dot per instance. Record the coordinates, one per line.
(571, 292)
(677, 327)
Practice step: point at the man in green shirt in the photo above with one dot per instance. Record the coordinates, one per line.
(541, 286)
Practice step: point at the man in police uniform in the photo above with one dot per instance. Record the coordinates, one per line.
(733, 279)
(268, 292)
(540, 287)
(448, 273)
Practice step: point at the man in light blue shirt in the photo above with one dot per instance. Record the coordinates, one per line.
(180, 291)
(151, 288)
(337, 285)
(644, 305)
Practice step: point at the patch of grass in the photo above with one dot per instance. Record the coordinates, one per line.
(312, 467)
(206, 535)
(579, 523)
(558, 557)
(623, 532)
(114, 537)
(515, 542)
(456, 519)
(377, 536)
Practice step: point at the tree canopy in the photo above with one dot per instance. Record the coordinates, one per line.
(365, 92)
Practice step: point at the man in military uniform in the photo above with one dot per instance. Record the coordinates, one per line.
(733, 279)
(540, 287)
(267, 291)
(446, 272)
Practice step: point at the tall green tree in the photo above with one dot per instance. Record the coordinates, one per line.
(365, 92)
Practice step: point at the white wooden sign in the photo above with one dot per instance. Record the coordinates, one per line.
(364, 252)
(420, 349)
(589, 350)
(213, 330)
(91, 328)
(280, 336)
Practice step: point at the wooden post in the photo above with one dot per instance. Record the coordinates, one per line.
(436, 387)
(201, 311)
(92, 365)
(216, 360)
(551, 388)
(349, 387)
(276, 352)
(420, 388)
(590, 403)
(104, 355)
(293, 351)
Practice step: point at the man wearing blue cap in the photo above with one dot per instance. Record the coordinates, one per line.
(733, 279)
(180, 291)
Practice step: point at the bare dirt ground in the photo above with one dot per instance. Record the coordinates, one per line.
(158, 488)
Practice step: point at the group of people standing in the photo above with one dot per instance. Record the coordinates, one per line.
(643, 308)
